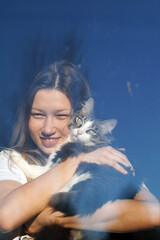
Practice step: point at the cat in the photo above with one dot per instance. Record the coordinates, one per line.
(85, 132)
(92, 184)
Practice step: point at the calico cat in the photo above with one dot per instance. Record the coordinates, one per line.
(92, 185)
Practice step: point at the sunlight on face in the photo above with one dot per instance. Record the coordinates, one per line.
(48, 123)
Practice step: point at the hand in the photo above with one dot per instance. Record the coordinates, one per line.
(97, 221)
(110, 156)
(118, 216)
(46, 218)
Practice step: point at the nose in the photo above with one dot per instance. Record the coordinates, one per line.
(79, 132)
(48, 127)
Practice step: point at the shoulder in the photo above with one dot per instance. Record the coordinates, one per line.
(9, 170)
(4, 156)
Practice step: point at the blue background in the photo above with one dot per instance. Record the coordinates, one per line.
(116, 44)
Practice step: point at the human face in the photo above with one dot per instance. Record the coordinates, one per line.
(48, 123)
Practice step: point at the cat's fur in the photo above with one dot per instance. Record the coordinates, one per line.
(92, 185)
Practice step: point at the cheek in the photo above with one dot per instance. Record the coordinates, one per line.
(62, 127)
(65, 131)
(34, 126)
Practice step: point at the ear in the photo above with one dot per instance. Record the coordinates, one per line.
(108, 125)
(88, 107)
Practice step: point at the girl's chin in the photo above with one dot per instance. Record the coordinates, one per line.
(47, 151)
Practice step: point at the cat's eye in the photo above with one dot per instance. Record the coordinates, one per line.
(91, 132)
(79, 121)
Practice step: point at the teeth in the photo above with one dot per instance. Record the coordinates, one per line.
(49, 140)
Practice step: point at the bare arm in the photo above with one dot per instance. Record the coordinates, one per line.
(141, 213)
(118, 216)
(19, 203)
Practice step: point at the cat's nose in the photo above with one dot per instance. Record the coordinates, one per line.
(79, 132)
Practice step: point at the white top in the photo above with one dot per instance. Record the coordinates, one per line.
(9, 170)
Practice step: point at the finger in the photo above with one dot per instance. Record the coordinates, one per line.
(56, 217)
(59, 214)
(115, 155)
(118, 154)
(119, 157)
(122, 149)
(124, 160)
(118, 167)
(77, 222)
(123, 156)
(111, 158)
(68, 222)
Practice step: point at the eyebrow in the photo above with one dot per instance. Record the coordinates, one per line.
(57, 111)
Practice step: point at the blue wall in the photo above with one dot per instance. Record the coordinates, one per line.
(117, 46)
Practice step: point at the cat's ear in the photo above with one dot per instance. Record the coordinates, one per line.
(108, 125)
(88, 107)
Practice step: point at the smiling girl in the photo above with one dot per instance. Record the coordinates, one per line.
(42, 126)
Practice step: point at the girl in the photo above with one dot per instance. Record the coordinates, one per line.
(42, 126)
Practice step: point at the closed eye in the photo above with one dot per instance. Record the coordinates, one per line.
(62, 116)
(37, 115)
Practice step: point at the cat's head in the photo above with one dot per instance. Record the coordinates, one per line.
(85, 128)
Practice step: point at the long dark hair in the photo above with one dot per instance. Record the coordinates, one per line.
(63, 76)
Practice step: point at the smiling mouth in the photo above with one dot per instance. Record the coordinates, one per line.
(49, 142)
